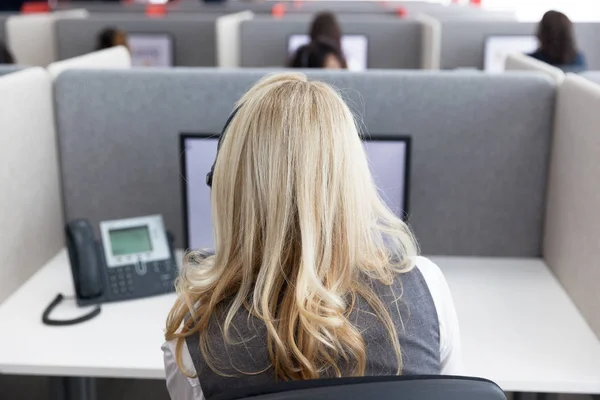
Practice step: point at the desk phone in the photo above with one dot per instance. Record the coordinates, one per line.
(133, 259)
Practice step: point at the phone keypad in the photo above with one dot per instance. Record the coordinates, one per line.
(121, 280)
(141, 279)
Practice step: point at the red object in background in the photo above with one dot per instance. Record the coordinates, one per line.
(156, 10)
(476, 2)
(401, 12)
(278, 10)
(33, 8)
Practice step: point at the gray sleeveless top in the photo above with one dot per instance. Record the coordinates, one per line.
(414, 316)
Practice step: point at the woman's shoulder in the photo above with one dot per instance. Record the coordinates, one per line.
(432, 274)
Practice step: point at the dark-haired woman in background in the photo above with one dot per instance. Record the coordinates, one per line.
(325, 25)
(111, 37)
(326, 29)
(557, 43)
(318, 54)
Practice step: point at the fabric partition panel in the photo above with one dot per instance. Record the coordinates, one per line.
(588, 39)
(431, 42)
(521, 62)
(593, 76)
(30, 205)
(116, 57)
(572, 219)
(463, 41)
(193, 36)
(392, 42)
(229, 38)
(470, 13)
(32, 38)
(479, 164)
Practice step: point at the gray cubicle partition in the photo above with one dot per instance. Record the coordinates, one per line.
(588, 39)
(392, 42)
(593, 76)
(463, 41)
(479, 164)
(193, 35)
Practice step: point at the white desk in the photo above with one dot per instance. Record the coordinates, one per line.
(518, 326)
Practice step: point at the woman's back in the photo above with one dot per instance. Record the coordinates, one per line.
(313, 276)
(408, 301)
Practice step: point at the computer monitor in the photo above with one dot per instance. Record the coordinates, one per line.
(354, 48)
(150, 49)
(388, 156)
(497, 48)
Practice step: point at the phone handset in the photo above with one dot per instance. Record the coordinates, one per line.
(85, 264)
(85, 259)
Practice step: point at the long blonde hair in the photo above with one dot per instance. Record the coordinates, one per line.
(299, 231)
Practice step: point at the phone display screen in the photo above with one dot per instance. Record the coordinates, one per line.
(130, 240)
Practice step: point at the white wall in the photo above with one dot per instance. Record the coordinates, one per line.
(31, 217)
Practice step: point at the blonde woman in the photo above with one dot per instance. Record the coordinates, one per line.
(313, 276)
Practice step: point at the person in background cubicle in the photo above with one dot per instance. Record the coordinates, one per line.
(6, 56)
(318, 54)
(313, 275)
(111, 37)
(558, 46)
(326, 29)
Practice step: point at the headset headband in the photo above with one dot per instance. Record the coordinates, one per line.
(209, 176)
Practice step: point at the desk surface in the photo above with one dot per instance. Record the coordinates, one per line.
(518, 328)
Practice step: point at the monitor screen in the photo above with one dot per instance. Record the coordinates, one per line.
(497, 48)
(388, 157)
(353, 46)
(150, 49)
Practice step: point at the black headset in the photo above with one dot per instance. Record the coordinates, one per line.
(209, 176)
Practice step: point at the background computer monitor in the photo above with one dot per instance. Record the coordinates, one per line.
(354, 48)
(388, 156)
(151, 49)
(497, 48)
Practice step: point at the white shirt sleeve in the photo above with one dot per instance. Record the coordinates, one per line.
(180, 387)
(450, 347)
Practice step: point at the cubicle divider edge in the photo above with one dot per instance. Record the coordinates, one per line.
(31, 209)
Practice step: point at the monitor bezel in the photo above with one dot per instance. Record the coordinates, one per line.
(158, 34)
(368, 49)
(378, 137)
(407, 170)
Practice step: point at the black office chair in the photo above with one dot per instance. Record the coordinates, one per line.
(374, 387)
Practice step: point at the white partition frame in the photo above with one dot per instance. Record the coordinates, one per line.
(572, 233)
(113, 58)
(228, 38)
(30, 205)
(431, 42)
(32, 37)
(522, 62)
